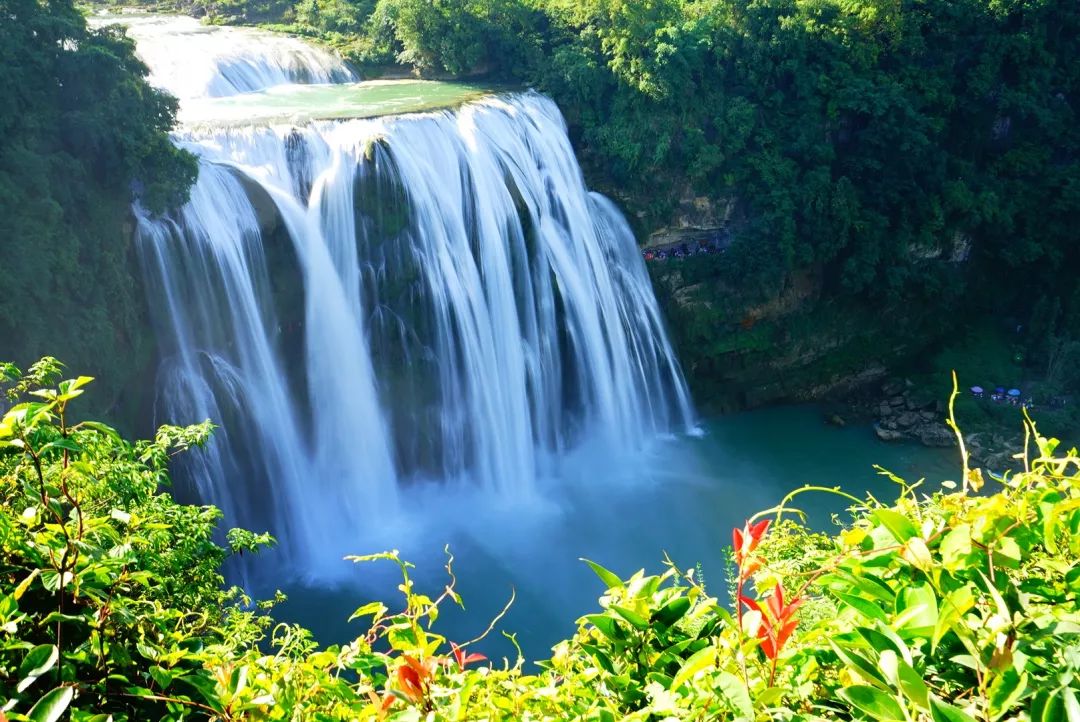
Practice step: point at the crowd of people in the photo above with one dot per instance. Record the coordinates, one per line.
(999, 395)
(683, 250)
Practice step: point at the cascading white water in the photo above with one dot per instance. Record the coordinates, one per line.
(192, 60)
(367, 305)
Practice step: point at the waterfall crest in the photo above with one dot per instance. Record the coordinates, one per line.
(193, 60)
(368, 305)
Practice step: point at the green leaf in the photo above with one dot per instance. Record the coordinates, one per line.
(602, 659)
(162, 676)
(918, 609)
(607, 626)
(52, 706)
(607, 576)
(25, 584)
(37, 662)
(672, 612)
(945, 712)
(956, 548)
(101, 429)
(63, 443)
(864, 667)
(698, 661)
(881, 637)
(734, 691)
(1006, 690)
(873, 702)
(912, 685)
(864, 607)
(898, 525)
(375, 609)
(1008, 552)
(1072, 705)
(631, 616)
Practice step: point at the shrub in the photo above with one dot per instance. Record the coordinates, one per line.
(957, 605)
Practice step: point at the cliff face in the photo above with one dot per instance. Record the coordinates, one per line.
(695, 218)
(743, 346)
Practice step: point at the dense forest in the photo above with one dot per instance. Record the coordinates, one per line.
(896, 178)
(82, 133)
(892, 173)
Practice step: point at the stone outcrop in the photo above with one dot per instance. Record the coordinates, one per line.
(904, 414)
(696, 218)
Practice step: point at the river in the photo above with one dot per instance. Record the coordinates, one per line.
(681, 496)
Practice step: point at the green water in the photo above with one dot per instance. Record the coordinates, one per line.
(299, 104)
(682, 496)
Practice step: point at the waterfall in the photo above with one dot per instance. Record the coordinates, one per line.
(192, 60)
(368, 305)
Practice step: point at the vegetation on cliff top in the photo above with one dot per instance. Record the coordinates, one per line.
(957, 604)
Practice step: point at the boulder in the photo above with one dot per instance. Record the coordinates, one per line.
(884, 409)
(936, 435)
(887, 434)
(892, 387)
(907, 419)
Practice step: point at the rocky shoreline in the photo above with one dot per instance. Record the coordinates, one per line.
(901, 412)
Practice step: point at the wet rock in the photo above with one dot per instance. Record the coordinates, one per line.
(837, 420)
(936, 435)
(892, 387)
(884, 409)
(887, 434)
(907, 419)
(927, 415)
(896, 401)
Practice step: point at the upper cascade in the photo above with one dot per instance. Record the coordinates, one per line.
(193, 60)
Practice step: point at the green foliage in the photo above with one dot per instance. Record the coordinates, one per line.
(82, 131)
(949, 606)
(917, 158)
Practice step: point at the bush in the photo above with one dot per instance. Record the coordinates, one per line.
(950, 606)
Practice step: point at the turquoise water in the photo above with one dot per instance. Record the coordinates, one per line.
(682, 496)
(299, 104)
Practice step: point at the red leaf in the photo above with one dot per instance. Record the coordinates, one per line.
(785, 633)
(752, 604)
(769, 648)
(758, 530)
(422, 670)
(790, 609)
(465, 659)
(776, 601)
(409, 681)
